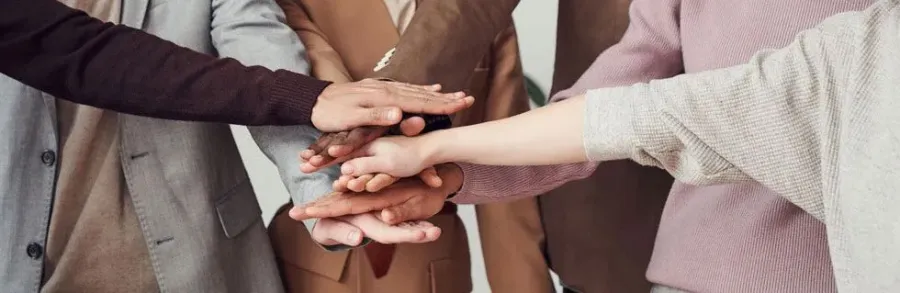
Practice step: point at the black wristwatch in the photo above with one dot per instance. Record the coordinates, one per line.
(432, 123)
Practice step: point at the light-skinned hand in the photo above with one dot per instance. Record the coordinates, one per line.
(350, 230)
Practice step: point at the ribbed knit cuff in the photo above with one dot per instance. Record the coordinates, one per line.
(608, 131)
(292, 97)
(471, 181)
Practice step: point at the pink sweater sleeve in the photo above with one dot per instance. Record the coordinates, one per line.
(650, 49)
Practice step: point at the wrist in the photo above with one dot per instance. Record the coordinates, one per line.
(432, 151)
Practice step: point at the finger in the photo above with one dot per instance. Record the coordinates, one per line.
(431, 87)
(316, 160)
(306, 154)
(421, 206)
(384, 233)
(366, 165)
(402, 213)
(385, 115)
(412, 126)
(356, 139)
(298, 214)
(435, 106)
(431, 234)
(358, 184)
(380, 181)
(309, 167)
(340, 185)
(320, 144)
(348, 205)
(422, 102)
(431, 178)
(403, 85)
(333, 232)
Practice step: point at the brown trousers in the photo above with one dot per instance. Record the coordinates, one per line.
(509, 233)
(442, 266)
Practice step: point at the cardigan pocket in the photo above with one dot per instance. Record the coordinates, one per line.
(238, 209)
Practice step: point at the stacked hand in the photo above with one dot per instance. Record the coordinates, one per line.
(407, 199)
(376, 103)
(376, 106)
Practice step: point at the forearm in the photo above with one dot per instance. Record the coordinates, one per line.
(485, 184)
(525, 139)
(765, 121)
(70, 55)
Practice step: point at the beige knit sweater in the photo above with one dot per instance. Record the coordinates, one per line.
(818, 122)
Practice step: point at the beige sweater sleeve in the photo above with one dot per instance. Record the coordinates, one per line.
(771, 120)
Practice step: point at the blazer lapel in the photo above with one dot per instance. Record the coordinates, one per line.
(361, 31)
(133, 13)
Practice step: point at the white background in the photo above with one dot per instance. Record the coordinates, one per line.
(536, 25)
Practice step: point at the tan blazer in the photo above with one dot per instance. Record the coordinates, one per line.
(344, 43)
(621, 203)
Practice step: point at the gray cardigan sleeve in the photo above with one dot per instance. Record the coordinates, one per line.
(769, 120)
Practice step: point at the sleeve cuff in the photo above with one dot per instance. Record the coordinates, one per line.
(471, 173)
(293, 96)
(608, 131)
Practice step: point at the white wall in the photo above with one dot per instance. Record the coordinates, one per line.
(536, 25)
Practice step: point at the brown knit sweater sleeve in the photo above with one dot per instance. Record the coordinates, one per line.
(66, 53)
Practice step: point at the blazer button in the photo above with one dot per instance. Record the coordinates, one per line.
(48, 157)
(34, 250)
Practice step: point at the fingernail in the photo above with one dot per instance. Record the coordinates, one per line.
(347, 169)
(353, 237)
(334, 150)
(394, 115)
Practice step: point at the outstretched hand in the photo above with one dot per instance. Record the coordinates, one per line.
(395, 156)
(376, 182)
(372, 102)
(350, 230)
(333, 145)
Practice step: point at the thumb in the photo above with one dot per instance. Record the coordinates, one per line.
(380, 116)
(412, 126)
(334, 232)
(408, 211)
(365, 165)
(431, 178)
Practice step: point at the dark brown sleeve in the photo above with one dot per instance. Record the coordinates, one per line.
(445, 40)
(66, 53)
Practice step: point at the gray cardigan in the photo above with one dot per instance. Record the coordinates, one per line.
(817, 121)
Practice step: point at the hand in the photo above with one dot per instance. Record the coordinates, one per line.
(409, 198)
(373, 183)
(338, 144)
(397, 156)
(349, 230)
(382, 103)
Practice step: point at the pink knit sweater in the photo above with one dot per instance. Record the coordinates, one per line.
(726, 238)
